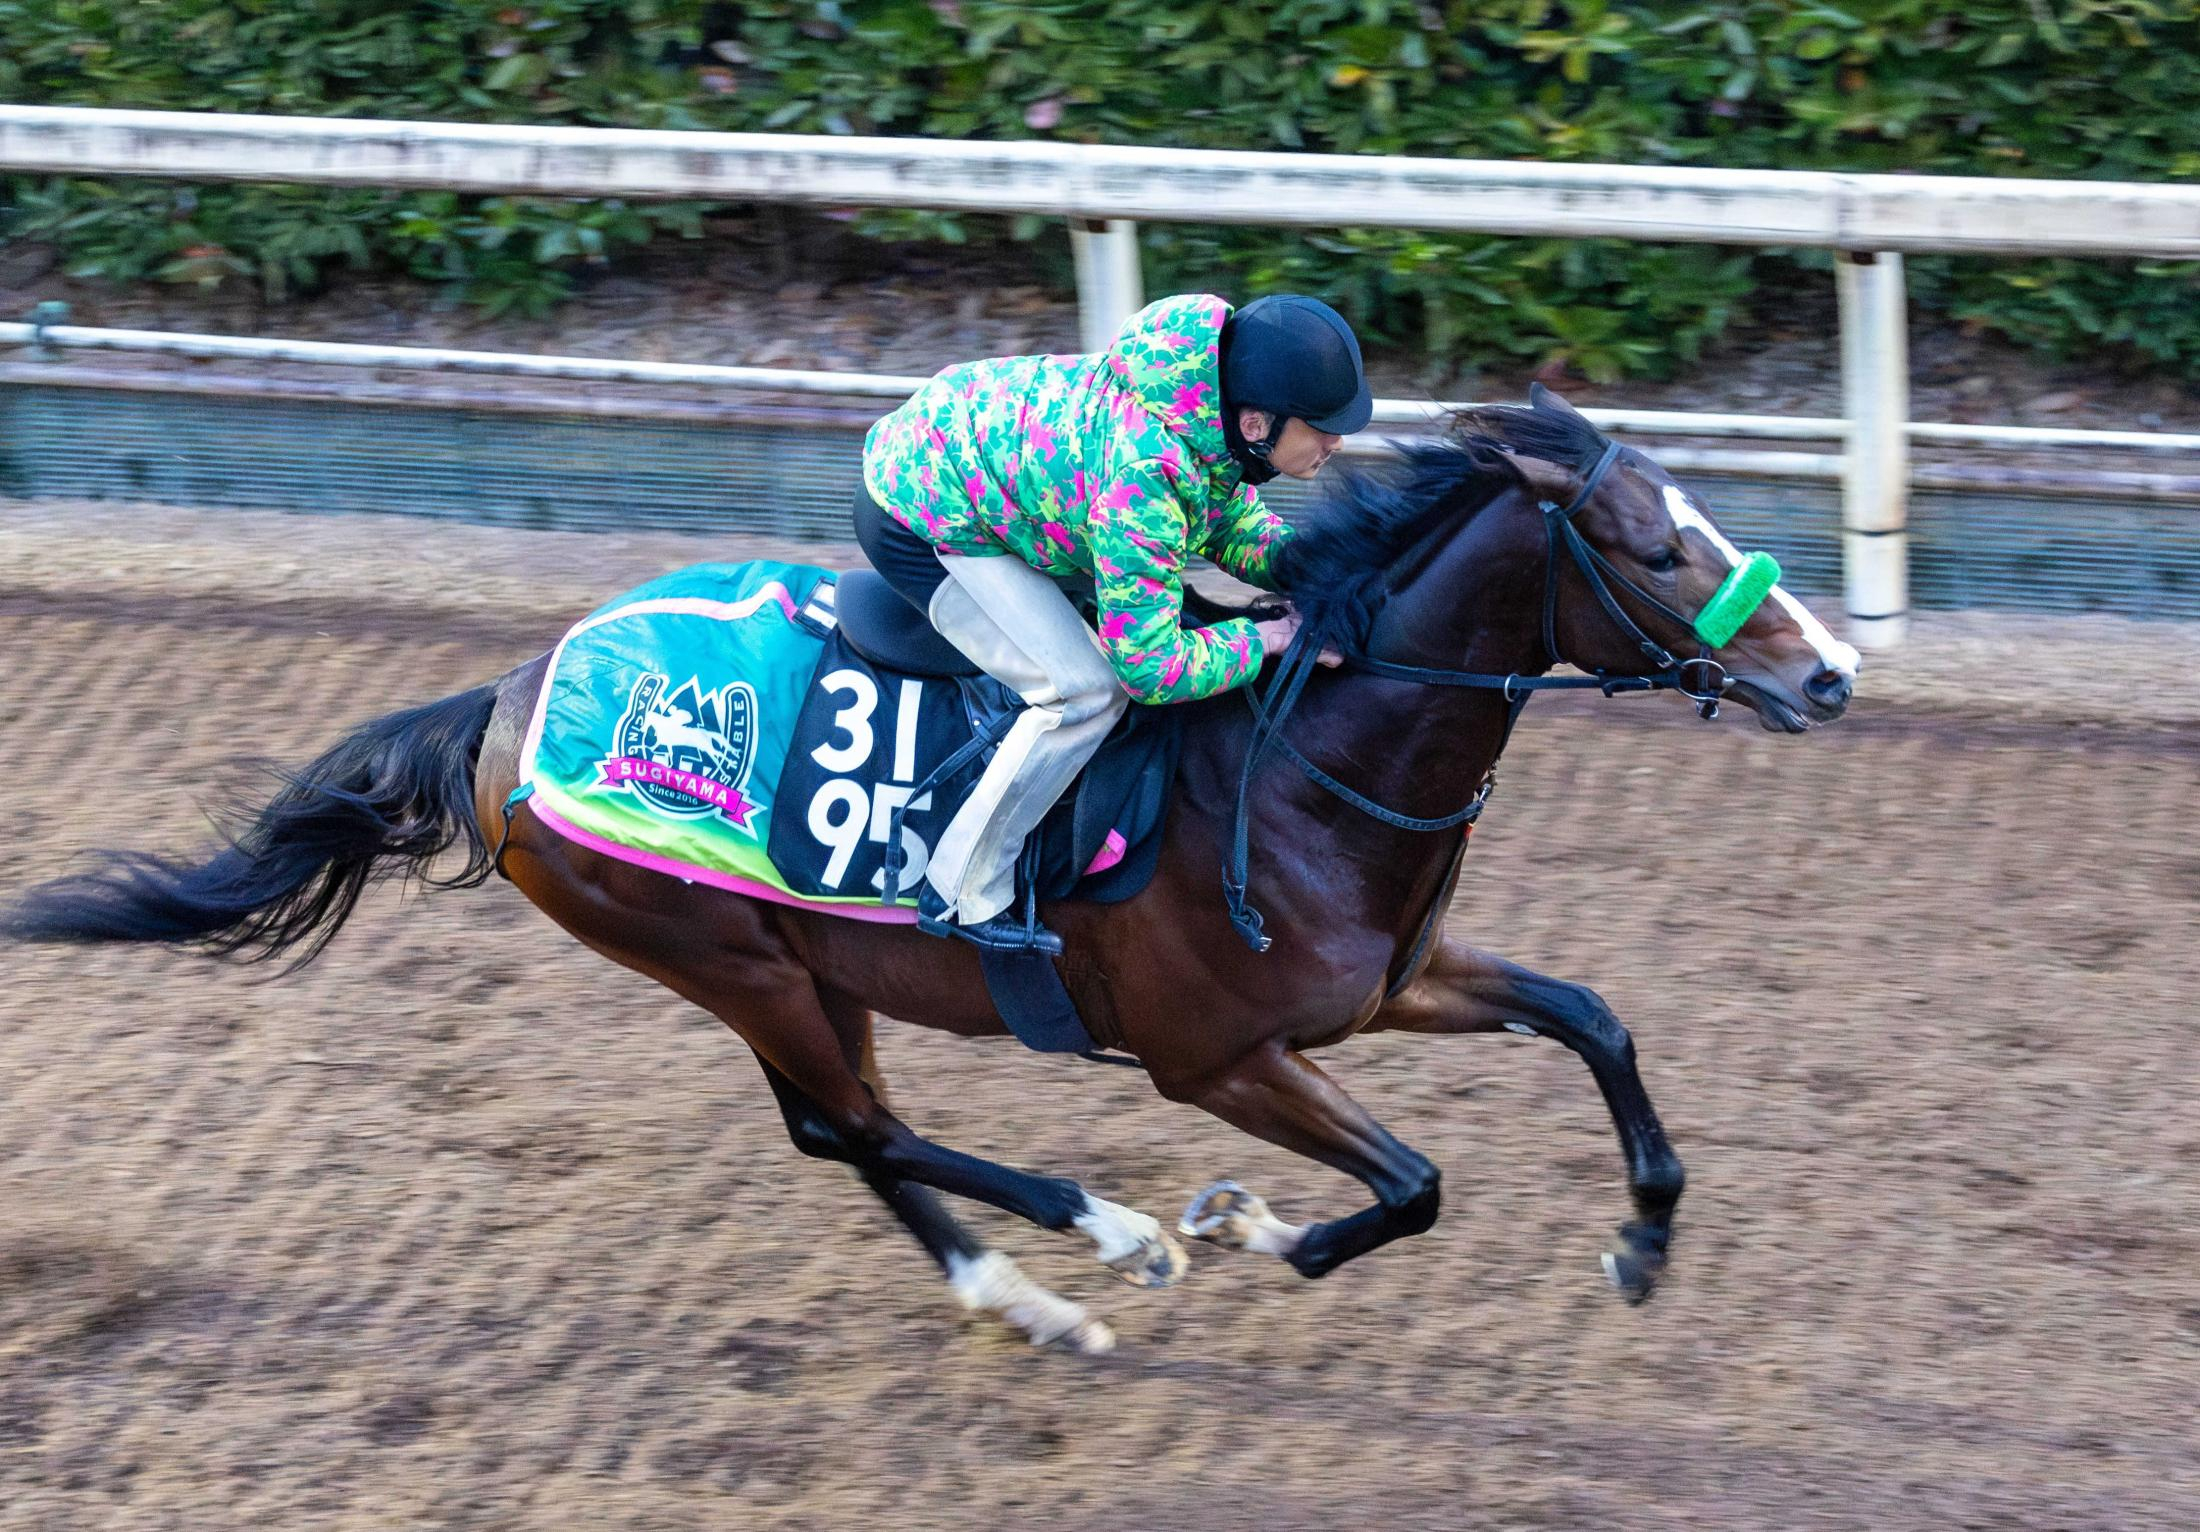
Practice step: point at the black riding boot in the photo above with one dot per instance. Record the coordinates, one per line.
(1003, 933)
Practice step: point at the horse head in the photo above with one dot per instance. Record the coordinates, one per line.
(1657, 552)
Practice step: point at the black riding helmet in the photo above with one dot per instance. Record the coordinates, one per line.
(1292, 356)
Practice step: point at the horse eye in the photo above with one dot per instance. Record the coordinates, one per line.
(1664, 561)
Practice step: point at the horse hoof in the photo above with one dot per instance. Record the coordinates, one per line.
(992, 1284)
(1160, 1262)
(1633, 1269)
(1225, 1214)
(1092, 1338)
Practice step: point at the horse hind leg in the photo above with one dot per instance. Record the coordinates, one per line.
(1126, 1241)
(834, 1112)
(729, 956)
(983, 1281)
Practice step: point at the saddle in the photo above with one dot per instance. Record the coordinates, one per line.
(1099, 844)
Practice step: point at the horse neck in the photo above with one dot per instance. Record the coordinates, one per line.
(1470, 595)
(1469, 598)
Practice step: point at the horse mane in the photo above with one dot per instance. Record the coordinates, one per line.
(1333, 567)
(1546, 428)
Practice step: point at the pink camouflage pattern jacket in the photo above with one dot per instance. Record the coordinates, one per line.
(1111, 464)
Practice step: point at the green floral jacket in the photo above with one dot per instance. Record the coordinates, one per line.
(1110, 464)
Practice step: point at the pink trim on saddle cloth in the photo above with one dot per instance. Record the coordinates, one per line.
(899, 915)
(1112, 850)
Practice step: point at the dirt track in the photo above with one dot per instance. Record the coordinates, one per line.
(463, 1227)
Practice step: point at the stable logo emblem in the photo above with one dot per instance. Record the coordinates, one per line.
(687, 755)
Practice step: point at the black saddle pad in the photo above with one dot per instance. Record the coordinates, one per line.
(869, 735)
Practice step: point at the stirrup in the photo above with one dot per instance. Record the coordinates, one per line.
(1000, 934)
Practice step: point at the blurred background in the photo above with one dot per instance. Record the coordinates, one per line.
(465, 1227)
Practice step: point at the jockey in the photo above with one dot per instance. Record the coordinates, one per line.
(1002, 477)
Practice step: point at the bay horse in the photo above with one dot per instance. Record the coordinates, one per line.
(1456, 558)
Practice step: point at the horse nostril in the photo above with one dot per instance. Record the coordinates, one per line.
(1830, 688)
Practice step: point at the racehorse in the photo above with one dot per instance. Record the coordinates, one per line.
(1452, 586)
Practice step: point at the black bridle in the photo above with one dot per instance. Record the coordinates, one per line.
(1700, 679)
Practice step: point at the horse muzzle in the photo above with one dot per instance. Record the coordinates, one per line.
(1781, 709)
(1828, 693)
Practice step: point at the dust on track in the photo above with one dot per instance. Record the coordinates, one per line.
(464, 1227)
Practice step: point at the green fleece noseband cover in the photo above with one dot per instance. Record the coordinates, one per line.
(1740, 594)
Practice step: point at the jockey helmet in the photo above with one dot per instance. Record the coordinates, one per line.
(1295, 356)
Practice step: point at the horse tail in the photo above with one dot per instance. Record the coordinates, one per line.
(388, 800)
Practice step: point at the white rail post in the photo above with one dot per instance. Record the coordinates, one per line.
(1875, 480)
(1109, 287)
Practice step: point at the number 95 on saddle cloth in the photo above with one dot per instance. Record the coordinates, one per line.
(715, 724)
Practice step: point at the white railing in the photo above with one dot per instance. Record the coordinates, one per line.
(58, 337)
(1862, 213)
(1868, 220)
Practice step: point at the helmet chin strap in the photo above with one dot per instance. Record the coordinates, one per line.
(1255, 458)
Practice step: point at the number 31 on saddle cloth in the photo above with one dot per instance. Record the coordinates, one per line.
(717, 724)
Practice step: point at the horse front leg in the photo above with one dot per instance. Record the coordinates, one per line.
(1276, 1094)
(1465, 990)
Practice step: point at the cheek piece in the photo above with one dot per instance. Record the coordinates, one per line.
(1737, 598)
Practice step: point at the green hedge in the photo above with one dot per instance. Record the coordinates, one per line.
(2084, 88)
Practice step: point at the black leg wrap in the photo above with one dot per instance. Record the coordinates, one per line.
(1410, 1210)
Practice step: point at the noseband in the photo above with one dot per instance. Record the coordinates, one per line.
(1701, 679)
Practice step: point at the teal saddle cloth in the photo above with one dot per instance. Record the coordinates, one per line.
(718, 724)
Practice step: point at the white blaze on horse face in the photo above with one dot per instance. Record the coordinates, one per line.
(1835, 654)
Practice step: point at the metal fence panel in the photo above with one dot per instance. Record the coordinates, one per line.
(574, 472)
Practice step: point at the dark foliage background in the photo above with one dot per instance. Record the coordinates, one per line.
(2077, 88)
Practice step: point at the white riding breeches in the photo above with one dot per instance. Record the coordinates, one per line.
(1019, 627)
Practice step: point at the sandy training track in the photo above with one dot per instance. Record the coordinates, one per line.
(464, 1227)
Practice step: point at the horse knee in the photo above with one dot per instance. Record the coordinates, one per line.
(1579, 1017)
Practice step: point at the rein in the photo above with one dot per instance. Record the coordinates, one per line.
(1700, 679)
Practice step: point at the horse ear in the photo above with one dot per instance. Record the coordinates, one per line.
(1548, 480)
(1544, 402)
